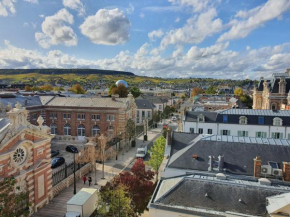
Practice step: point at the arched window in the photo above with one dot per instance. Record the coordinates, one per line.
(81, 130)
(67, 129)
(53, 128)
(243, 120)
(95, 130)
(277, 121)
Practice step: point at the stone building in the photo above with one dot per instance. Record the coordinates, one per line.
(272, 93)
(25, 155)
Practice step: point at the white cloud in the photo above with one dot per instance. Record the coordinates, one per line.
(55, 32)
(195, 30)
(254, 19)
(130, 9)
(177, 20)
(142, 15)
(34, 25)
(41, 16)
(108, 27)
(155, 34)
(32, 1)
(7, 7)
(75, 5)
(197, 5)
(25, 24)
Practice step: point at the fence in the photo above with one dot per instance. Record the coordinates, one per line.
(63, 172)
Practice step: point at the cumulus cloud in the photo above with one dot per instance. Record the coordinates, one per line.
(55, 32)
(32, 1)
(7, 7)
(130, 9)
(108, 27)
(155, 34)
(75, 5)
(195, 30)
(197, 5)
(254, 19)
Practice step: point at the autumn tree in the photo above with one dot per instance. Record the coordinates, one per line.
(139, 185)
(196, 91)
(135, 91)
(118, 199)
(239, 92)
(157, 154)
(111, 89)
(77, 89)
(13, 200)
(58, 89)
(121, 90)
(46, 87)
(27, 88)
(130, 130)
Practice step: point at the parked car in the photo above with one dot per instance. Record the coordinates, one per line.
(54, 153)
(57, 162)
(174, 118)
(72, 149)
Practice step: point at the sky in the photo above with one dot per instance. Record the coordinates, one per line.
(235, 39)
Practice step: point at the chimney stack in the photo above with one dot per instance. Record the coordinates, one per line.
(286, 171)
(169, 136)
(257, 166)
(221, 162)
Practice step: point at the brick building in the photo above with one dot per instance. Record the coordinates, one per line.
(25, 154)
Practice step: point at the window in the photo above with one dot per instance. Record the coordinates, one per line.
(243, 133)
(81, 117)
(277, 121)
(95, 130)
(200, 130)
(149, 114)
(67, 129)
(274, 106)
(191, 130)
(96, 117)
(261, 120)
(225, 132)
(261, 134)
(209, 131)
(53, 128)
(112, 117)
(243, 120)
(53, 115)
(81, 130)
(143, 114)
(66, 116)
(34, 116)
(225, 118)
(160, 107)
(277, 135)
(200, 118)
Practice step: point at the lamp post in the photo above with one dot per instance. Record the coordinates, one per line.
(75, 187)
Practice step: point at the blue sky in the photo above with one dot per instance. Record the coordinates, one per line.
(164, 38)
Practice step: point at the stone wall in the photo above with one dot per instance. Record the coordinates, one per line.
(69, 180)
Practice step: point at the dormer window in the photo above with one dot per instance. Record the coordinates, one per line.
(243, 120)
(277, 121)
(200, 118)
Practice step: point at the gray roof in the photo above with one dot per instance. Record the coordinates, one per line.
(88, 102)
(181, 140)
(260, 112)
(238, 156)
(4, 122)
(232, 195)
(31, 100)
(209, 116)
(144, 104)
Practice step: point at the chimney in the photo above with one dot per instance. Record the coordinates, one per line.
(221, 162)
(288, 72)
(257, 166)
(286, 171)
(210, 163)
(25, 103)
(113, 97)
(169, 136)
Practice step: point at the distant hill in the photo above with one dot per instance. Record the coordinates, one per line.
(64, 71)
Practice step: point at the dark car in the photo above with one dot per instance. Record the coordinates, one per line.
(54, 153)
(72, 149)
(57, 162)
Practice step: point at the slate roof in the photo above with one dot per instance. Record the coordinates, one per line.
(181, 140)
(273, 84)
(31, 100)
(191, 116)
(88, 102)
(144, 104)
(4, 122)
(153, 99)
(238, 156)
(189, 196)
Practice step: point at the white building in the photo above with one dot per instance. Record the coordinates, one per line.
(144, 110)
(239, 122)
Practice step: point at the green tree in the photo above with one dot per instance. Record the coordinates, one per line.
(77, 89)
(247, 100)
(211, 90)
(135, 91)
(239, 92)
(167, 111)
(111, 88)
(117, 198)
(13, 202)
(130, 130)
(156, 116)
(157, 154)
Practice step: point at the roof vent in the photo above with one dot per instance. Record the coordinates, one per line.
(240, 200)
(195, 156)
(206, 195)
(221, 176)
(264, 181)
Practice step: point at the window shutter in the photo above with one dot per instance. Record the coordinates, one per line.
(273, 135)
(229, 132)
(246, 133)
(221, 132)
(239, 133)
(256, 134)
(281, 136)
(264, 135)
(288, 135)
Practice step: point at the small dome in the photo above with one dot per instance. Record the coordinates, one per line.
(122, 82)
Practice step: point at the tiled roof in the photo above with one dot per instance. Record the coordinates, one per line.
(88, 102)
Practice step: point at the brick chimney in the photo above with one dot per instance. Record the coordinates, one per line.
(286, 171)
(169, 136)
(257, 166)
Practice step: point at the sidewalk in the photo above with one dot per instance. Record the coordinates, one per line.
(57, 206)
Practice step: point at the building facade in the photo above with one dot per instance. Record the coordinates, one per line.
(144, 111)
(272, 93)
(25, 155)
(239, 122)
